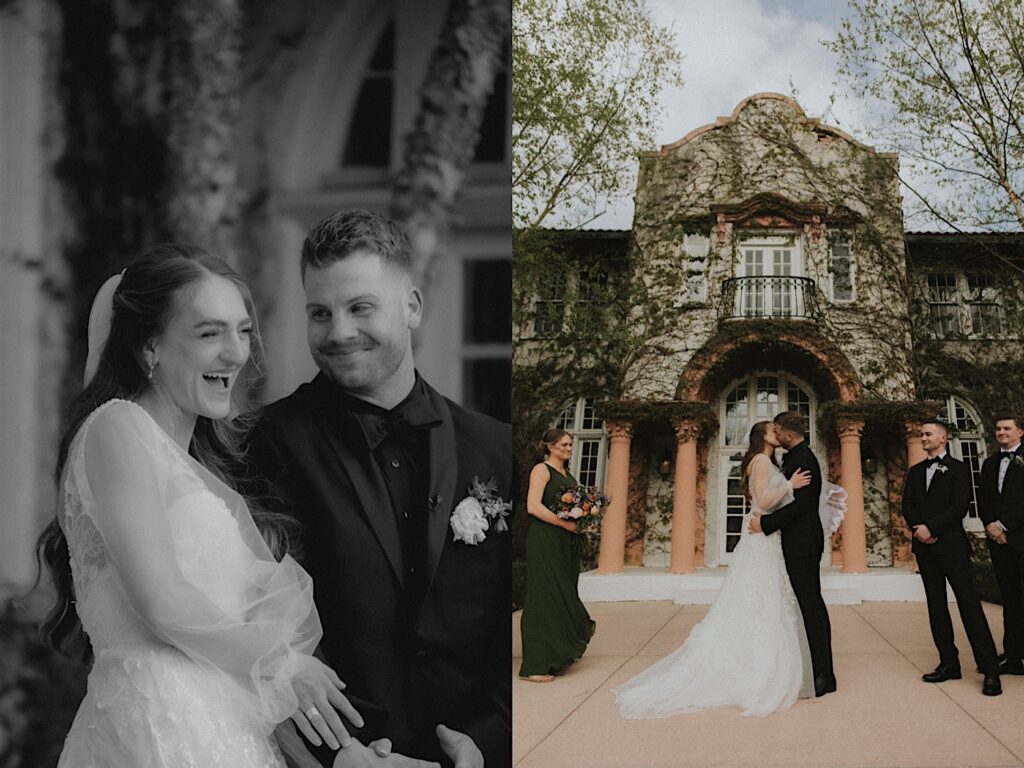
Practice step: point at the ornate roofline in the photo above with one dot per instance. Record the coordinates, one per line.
(814, 123)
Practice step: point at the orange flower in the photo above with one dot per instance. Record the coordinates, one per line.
(567, 497)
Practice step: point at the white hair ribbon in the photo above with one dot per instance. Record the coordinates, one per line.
(99, 324)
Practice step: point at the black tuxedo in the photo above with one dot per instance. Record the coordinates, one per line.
(941, 506)
(444, 657)
(802, 543)
(1007, 559)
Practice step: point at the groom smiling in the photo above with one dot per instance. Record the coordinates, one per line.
(373, 461)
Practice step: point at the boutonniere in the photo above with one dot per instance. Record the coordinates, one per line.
(941, 468)
(475, 514)
(1018, 460)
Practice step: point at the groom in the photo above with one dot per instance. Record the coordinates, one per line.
(802, 543)
(414, 600)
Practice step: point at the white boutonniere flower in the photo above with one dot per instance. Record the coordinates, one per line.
(475, 514)
(941, 468)
(1019, 461)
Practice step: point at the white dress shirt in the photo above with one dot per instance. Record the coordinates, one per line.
(1004, 464)
(930, 470)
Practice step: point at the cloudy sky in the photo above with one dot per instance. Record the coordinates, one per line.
(735, 48)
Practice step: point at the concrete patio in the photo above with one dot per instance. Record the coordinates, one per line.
(882, 715)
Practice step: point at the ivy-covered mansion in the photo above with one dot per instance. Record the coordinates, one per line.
(767, 269)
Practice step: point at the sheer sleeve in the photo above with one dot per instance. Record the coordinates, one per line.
(192, 564)
(769, 488)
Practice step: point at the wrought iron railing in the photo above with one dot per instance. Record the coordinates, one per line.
(768, 296)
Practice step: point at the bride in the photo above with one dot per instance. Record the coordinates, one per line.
(200, 633)
(750, 650)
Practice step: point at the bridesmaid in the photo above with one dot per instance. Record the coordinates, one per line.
(555, 625)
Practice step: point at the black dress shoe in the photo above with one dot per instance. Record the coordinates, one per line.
(824, 684)
(991, 686)
(1011, 666)
(942, 673)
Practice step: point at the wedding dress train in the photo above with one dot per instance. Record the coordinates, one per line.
(750, 650)
(196, 629)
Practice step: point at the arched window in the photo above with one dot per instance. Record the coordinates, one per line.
(969, 446)
(590, 441)
(368, 142)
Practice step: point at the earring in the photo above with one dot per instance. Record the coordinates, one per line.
(152, 365)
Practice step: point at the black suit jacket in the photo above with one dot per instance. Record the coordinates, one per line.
(942, 506)
(450, 663)
(799, 521)
(1006, 507)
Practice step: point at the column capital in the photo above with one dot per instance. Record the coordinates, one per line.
(850, 429)
(620, 430)
(686, 430)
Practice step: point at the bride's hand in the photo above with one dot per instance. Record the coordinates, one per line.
(319, 690)
(800, 478)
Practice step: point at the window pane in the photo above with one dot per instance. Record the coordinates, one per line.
(369, 133)
(842, 273)
(487, 386)
(589, 451)
(547, 319)
(589, 418)
(985, 320)
(945, 319)
(736, 416)
(942, 287)
(971, 454)
(567, 419)
(495, 126)
(488, 302)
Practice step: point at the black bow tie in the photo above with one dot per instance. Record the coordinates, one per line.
(933, 460)
(412, 416)
(1005, 455)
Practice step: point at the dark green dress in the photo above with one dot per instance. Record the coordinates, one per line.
(555, 625)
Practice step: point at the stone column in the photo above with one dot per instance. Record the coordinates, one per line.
(855, 556)
(903, 554)
(684, 500)
(612, 551)
(915, 453)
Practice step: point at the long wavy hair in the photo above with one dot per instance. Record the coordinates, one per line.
(149, 294)
(756, 446)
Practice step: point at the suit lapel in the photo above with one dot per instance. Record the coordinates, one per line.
(444, 468)
(357, 462)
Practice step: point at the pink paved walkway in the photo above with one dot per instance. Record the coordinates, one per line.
(882, 715)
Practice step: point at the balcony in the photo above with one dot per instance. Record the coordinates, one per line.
(768, 296)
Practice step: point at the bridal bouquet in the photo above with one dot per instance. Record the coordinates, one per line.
(584, 504)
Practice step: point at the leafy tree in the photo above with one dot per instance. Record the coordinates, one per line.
(439, 149)
(949, 75)
(588, 74)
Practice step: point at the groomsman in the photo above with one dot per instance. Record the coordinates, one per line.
(936, 497)
(1001, 505)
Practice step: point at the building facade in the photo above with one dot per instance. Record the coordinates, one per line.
(768, 269)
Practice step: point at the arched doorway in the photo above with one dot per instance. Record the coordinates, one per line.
(757, 396)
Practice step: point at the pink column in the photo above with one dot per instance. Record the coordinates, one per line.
(915, 453)
(855, 551)
(903, 554)
(612, 550)
(684, 500)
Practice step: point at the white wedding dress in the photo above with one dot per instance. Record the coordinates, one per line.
(197, 631)
(750, 650)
